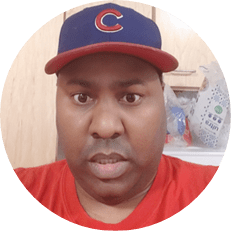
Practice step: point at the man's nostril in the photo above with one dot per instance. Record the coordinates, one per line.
(115, 136)
(97, 136)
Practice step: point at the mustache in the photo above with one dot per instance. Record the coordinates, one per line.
(107, 147)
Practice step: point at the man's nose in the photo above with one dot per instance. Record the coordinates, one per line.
(106, 122)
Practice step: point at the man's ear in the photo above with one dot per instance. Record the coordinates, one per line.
(162, 85)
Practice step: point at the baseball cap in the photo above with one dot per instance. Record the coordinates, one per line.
(110, 28)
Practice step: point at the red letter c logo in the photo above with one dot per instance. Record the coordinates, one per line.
(108, 29)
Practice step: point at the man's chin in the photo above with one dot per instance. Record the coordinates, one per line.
(110, 192)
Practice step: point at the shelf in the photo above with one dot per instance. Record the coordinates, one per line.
(185, 88)
(197, 155)
(193, 151)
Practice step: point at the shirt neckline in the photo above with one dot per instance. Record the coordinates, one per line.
(137, 219)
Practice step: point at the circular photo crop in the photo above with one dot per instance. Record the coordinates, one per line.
(115, 115)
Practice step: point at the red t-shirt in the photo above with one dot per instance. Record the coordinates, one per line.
(177, 184)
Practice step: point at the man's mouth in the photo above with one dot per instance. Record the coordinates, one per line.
(112, 158)
(108, 166)
(107, 161)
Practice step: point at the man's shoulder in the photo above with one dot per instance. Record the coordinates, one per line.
(187, 171)
(46, 167)
(178, 161)
(29, 176)
(178, 183)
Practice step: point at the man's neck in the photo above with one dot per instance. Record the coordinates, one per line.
(111, 214)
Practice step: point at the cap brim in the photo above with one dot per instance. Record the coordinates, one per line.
(160, 59)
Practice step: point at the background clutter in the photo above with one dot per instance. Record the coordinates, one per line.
(201, 118)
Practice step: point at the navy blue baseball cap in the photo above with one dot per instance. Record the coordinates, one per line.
(110, 28)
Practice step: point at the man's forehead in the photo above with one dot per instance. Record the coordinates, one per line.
(104, 60)
(123, 70)
(118, 83)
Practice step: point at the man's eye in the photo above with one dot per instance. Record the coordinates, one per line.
(131, 98)
(82, 98)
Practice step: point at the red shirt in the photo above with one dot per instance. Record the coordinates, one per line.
(177, 184)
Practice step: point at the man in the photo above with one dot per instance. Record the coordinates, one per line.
(111, 126)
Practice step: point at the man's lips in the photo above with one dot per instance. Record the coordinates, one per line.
(112, 158)
(108, 166)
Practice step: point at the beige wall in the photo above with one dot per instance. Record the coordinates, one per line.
(28, 101)
(190, 50)
(139, 7)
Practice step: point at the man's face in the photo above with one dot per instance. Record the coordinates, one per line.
(111, 124)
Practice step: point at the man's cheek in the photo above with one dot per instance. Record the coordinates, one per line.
(141, 141)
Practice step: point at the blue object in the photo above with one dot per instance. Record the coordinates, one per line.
(110, 28)
(180, 116)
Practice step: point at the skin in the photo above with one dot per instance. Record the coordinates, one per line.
(111, 103)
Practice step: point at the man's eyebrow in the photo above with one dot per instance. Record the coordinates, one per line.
(82, 83)
(128, 83)
(117, 84)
